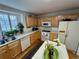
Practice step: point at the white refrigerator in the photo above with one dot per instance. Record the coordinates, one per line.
(69, 34)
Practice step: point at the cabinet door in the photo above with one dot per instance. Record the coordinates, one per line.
(55, 21)
(71, 16)
(35, 21)
(34, 37)
(29, 21)
(4, 53)
(39, 21)
(72, 38)
(25, 42)
(53, 36)
(14, 48)
(38, 35)
(46, 19)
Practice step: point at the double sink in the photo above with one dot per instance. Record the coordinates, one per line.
(3, 41)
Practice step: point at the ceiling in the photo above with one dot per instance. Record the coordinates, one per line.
(41, 6)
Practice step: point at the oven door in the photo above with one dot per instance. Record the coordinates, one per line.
(45, 36)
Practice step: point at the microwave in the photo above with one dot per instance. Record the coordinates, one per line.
(46, 24)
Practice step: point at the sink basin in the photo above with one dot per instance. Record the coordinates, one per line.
(2, 42)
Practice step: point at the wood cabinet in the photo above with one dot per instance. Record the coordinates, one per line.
(35, 36)
(55, 21)
(45, 19)
(25, 42)
(53, 35)
(40, 20)
(4, 53)
(14, 48)
(71, 16)
(31, 21)
(35, 21)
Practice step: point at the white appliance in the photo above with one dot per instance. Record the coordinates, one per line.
(45, 35)
(69, 34)
(46, 24)
(77, 52)
(45, 31)
(62, 31)
(25, 42)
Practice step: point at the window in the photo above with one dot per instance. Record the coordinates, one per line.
(4, 22)
(13, 20)
(8, 22)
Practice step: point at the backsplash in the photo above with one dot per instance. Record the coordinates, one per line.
(52, 29)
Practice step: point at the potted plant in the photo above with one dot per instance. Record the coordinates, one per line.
(20, 27)
(11, 34)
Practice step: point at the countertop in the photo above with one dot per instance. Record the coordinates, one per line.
(52, 29)
(61, 49)
(18, 37)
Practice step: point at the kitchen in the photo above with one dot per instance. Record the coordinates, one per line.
(23, 33)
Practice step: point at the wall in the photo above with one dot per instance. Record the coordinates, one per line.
(7, 9)
(62, 12)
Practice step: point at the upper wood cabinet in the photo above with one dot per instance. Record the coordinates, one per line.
(35, 36)
(46, 19)
(71, 16)
(35, 21)
(4, 53)
(39, 21)
(55, 21)
(43, 19)
(31, 21)
(14, 48)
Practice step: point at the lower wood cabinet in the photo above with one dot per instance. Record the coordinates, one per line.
(35, 36)
(4, 53)
(53, 35)
(14, 48)
(11, 50)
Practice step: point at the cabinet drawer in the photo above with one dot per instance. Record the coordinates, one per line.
(13, 43)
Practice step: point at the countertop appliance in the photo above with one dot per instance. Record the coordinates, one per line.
(46, 24)
(69, 34)
(34, 28)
